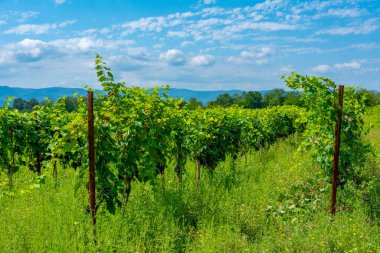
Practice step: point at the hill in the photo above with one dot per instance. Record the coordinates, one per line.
(54, 93)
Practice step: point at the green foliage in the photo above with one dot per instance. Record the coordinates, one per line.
(193, 104)
(254, 99)
(274, 97)
(251, 100)
(319, 94)
(225, 214)
(138, 133)
(372, 98)
(24, 105)
(249, 201)
(223, 100)
(71, 104)
(292, 98)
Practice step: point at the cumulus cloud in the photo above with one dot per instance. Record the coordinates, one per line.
(27, 50)
(126, 63)
(138, 53)
(30, 50)
(322, 68)
(258, 56)
(174, 57)
(76, 45)
(203, 60)
(59, 2)
(353, 65)
(37, 29)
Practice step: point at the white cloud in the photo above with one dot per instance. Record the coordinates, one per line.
(2, 22)
(353, 65)
(138, 53)
(249, 37)
(322, 68)
(187, 43)
(258, 56)
(364, 46)
(211, 11)
(269, 5)
(150, 24)
(126, 63)
(341, 13)
(263, 26)
(315, 5)
(209, 1)
(264, 52)
(178, 34)
(59, 2)
(5, 57)
(37, 29)
(203, 60)
(23, 16)
(215, 23)
(348, 65)
(174, 57)
(256, 16)
(365, 28)
(304, 50)
(76, 45)
(29, 28)
(286, 69)
(29, 50)
(17, 16)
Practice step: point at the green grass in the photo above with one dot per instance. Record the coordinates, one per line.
(270, 201)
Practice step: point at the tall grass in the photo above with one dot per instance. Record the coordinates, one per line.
(274, 200)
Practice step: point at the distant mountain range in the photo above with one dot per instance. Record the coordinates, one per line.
(54, 93)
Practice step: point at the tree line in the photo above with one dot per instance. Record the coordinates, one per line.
(247, 99)
(27, 105)
(275, 97)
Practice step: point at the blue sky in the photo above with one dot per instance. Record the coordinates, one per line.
(194, 44)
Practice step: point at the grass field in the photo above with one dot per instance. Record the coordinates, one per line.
(275, 200)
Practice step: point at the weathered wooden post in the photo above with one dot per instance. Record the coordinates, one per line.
(91, 156)
(335, 172)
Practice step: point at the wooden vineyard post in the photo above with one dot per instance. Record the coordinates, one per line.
(198, 172)
(335, 172)
(38, 165)
(11, 165)
(180, 178)
(163, 183)
(55, 174)
(91, 156)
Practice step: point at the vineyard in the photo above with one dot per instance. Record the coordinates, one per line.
(168, 178)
